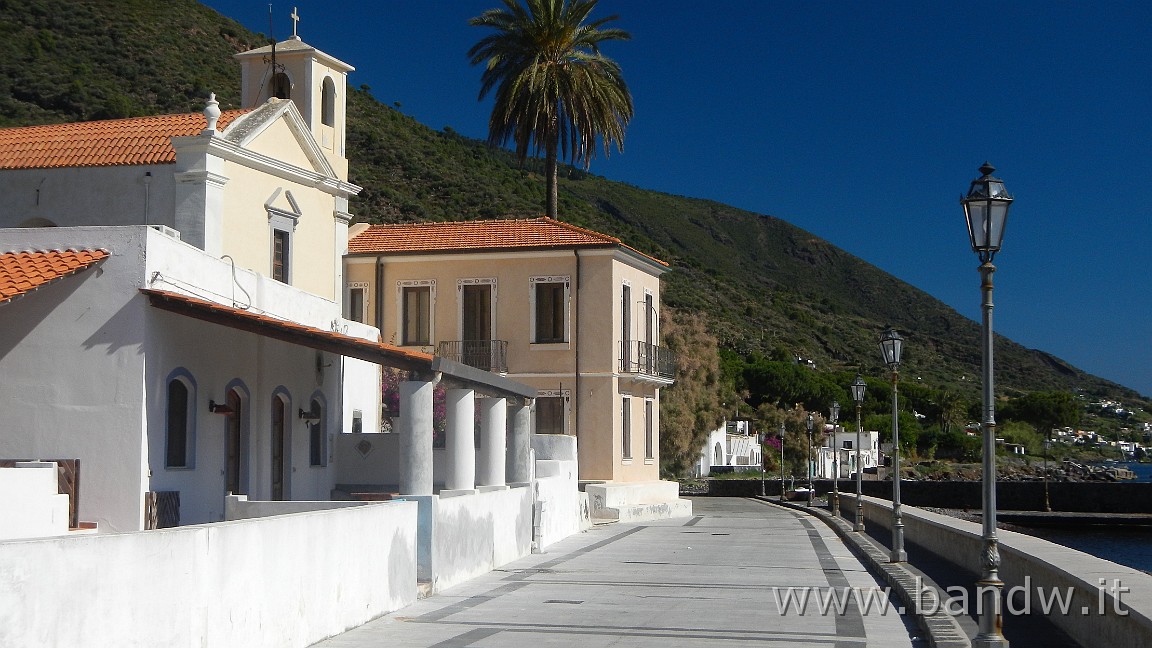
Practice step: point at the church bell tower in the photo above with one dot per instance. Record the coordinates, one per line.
(316, 82)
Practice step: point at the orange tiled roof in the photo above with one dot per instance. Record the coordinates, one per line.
(112, 142)
(23, 272)
(479, 236)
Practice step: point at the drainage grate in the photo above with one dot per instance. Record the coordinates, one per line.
(564, 602)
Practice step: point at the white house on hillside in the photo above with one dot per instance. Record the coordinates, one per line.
(847, 456)
(732, 446)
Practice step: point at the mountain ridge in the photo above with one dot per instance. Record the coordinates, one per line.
(766, 285)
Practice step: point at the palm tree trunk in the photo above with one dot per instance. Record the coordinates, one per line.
(550, 171)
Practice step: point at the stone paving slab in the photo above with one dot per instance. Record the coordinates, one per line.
(701, 581)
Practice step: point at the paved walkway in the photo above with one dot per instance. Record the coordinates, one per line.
(704, 581)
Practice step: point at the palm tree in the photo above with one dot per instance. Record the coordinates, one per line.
(554, 90)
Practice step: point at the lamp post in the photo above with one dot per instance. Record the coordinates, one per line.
(763, 460)
(858, 388)
(781, 461)
(810, 489)
(892, 346)
(986, 210)
(835, 411)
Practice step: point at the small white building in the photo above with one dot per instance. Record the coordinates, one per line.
(845, 454)
(730, 447)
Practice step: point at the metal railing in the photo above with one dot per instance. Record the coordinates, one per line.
(489, 355)
(637, 357)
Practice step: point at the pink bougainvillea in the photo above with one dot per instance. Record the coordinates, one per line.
(390, 398)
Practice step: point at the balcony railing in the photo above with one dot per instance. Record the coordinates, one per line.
(638, 357)
(489, 355)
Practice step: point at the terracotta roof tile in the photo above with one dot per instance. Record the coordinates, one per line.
(480, 236)
(136, 140)
(23, 272)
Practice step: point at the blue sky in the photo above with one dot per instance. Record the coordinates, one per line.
(862, 123)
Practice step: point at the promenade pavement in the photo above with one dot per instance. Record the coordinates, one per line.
(703, 581)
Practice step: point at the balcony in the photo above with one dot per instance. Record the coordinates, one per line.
(644, 361)
(489, 355)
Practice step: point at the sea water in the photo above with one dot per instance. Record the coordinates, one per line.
(1131, 546)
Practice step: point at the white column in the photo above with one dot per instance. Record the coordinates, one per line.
(460, 423)
(493, 439)
(415, 431)
(519, 443)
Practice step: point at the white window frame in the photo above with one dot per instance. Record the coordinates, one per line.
(363, 286)
(476, 281)
(566, 395)
(416, 283)
(654, 313)
(626, 429)
(283, 221)
(550, 279)
(650, 439)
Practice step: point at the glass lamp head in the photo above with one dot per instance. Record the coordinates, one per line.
(986, 210)
(858, 388)
(891, 348)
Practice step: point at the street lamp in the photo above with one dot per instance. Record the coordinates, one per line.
(986, 209)
(835, 411)
(892, 346)
(810, 459)
(781, 461)
(760, 441)
(858, 388)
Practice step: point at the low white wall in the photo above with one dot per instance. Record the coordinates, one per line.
(563, 508)
(30, 506)
(237, 507)
(613, 495)
(474, 534)
(1048, 566)
(289, 580)
(554, 446)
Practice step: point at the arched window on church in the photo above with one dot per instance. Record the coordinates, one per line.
(328, 102)
(281, 86)
(180, 449)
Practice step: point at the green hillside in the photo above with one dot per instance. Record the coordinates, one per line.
(764, 284)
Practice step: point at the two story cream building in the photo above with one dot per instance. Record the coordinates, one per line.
(569, 311)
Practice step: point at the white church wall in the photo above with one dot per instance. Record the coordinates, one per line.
(119, 353)
(214, 585)
(87, 196)
(73, 367)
